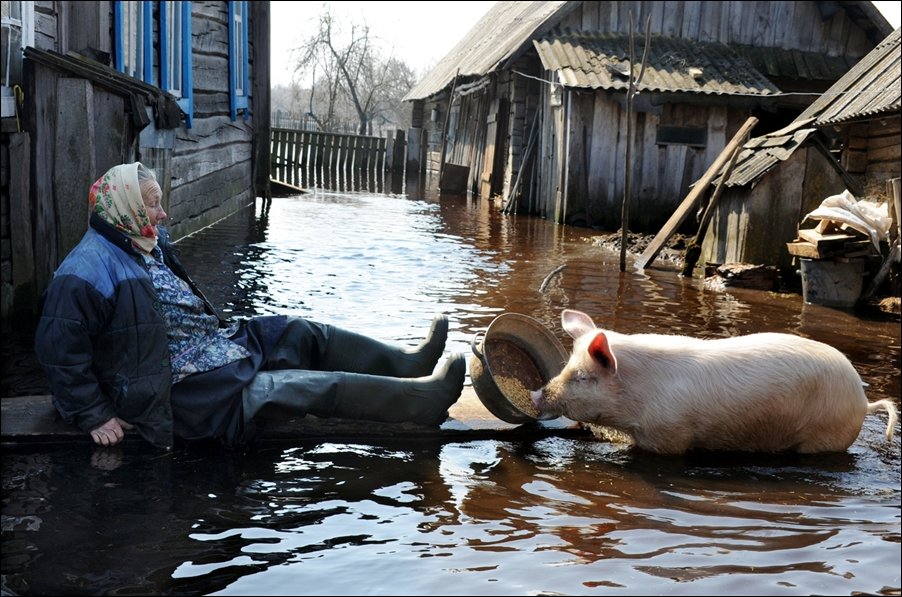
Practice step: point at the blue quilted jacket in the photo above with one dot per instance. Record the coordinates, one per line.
(102, 339)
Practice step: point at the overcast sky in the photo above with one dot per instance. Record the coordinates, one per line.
(419, 33)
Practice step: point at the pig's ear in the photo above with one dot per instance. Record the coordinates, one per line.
(600, 350)
(576, 323)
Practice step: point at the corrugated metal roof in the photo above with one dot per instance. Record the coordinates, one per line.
(872, 87)
(782, 63)
(508, 26)
(601, 61)
(762, 153)
(495, 38)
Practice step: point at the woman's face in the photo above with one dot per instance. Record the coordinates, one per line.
(153, 202)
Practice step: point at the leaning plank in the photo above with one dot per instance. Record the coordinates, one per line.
(692, 198)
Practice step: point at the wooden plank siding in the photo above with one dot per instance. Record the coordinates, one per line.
(751, 226)
(77, 127)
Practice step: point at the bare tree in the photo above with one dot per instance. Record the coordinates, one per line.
(351, 77)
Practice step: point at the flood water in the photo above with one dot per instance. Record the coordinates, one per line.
(558, 515)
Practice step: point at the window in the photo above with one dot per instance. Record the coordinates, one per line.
(134, 39)
(135, 47)
(682, 135)
(170, 48)
(16, 33)
(175, 54)
(238, 59)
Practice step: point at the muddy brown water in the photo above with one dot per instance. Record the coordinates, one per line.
(546, 516)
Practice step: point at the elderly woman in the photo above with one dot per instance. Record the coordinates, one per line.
(129, 341)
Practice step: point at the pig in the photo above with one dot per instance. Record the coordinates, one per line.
(766, 392)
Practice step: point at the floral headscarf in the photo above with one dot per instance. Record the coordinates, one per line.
(116, 197)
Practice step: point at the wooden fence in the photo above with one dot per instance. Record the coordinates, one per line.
(328, 160)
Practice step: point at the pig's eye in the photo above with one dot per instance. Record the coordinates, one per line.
(581, 377)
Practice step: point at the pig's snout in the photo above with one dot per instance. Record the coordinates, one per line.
(538, 399)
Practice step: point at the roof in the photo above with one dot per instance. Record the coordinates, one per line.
(872, 88)
(504, 29)
(864, 15)
(783, 63)
(601, 61)
(509, 27)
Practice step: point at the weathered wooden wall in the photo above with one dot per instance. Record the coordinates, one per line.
(797, 25)
(212, 162)
(754, 225)
(593, 159)
(873, 149)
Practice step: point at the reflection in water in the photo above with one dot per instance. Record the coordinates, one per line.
(554, 515)
(483, 517)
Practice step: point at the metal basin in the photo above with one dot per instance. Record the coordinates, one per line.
(515, 354)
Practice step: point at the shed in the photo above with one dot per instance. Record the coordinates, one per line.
(531, 103)
(848, 138)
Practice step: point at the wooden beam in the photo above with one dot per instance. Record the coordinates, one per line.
(692, 198)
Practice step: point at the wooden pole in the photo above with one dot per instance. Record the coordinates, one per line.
(526, 155)
(628, 179)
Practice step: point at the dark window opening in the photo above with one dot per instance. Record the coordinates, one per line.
(682, 135)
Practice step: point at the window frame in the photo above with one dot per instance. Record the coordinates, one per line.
(134, 59)
(238, 59)
(171, 44)
(177, 43)
(26, 23)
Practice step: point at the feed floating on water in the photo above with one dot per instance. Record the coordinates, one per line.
(517, 393)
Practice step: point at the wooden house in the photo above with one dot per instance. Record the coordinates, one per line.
(531, 106)
(849, 138)
(181, 86)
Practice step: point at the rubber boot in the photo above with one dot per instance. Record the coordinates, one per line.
(423, 400)
(310, 345)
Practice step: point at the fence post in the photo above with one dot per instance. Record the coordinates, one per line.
(397, 162)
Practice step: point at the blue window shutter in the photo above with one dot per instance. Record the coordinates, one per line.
(147, 34)
(186, 103)
(164, 47)
(238, 72)
(242, 101)
(118, 33)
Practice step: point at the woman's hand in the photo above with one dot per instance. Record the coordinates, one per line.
(111, 432)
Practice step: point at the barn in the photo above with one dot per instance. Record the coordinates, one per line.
(531, 107)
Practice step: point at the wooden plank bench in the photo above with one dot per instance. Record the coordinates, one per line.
(34, 420)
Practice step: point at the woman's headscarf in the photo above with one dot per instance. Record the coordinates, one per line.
(116, 197)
